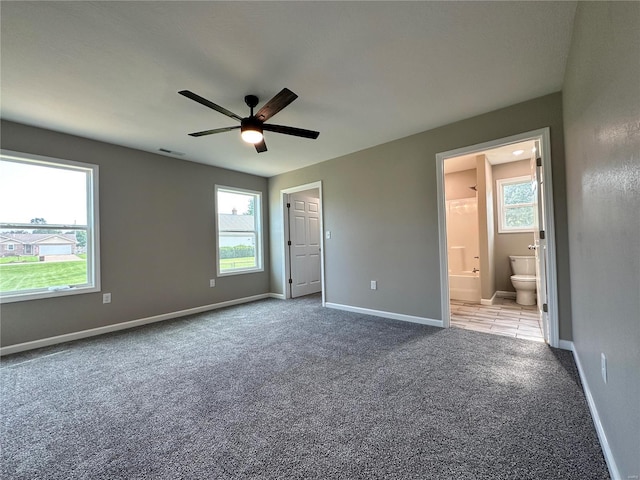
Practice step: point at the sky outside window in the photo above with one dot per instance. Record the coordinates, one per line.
(227, 201)
(30, 191)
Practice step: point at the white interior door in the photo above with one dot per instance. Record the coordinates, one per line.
(539, 239)
(304, 231)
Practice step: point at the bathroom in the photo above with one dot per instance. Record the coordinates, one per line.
(490, 229)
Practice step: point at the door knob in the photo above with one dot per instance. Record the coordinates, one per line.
(532, 247)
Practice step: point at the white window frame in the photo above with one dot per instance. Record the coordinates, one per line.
(502, 209)
(92, 228)
(11, 247)
(257, 212)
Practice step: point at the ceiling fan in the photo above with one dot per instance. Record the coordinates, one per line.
(252, 127)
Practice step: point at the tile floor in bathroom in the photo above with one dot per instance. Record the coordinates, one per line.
(505, 317)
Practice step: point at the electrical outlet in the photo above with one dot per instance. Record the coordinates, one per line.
(212, 282)
(328, 234)
(374, 285)
(106, 298)
(603, 365)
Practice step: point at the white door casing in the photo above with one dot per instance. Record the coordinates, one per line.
(304, 231)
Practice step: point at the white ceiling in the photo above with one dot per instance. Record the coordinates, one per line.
(495, 156)
(366, 72)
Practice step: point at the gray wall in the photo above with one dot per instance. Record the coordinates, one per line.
(486, 227)
(381, 206)
(509, 243)
(157, 236)
(602, 125)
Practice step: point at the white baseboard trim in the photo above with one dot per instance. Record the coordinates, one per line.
(503, 294)
(279, 296)
(604, 443)
(565, 345)
(490, 301)
(68, 337)
(391, 315)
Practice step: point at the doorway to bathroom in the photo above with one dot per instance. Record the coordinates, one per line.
(497, 248)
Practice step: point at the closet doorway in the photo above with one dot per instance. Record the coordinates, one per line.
(303, 240)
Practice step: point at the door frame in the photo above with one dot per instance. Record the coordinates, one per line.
(285, 235)
(543, 136)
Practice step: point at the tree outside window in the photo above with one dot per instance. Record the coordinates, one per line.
(515, 205)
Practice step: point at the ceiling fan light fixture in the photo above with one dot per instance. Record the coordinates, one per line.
(251, 130)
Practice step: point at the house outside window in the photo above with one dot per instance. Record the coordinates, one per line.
(238, 231)
(515, 205)
(48, 227)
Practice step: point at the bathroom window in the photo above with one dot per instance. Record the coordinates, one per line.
(239, 231)
(515, 205)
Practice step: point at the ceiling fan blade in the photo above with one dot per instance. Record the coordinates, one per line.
(215, 130)
(207, 103)
(261, 147)
(298, 132)
(277, 103)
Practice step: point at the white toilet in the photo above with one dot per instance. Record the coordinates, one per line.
(524, 278)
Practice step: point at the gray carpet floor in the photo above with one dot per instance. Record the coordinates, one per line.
(278, 389)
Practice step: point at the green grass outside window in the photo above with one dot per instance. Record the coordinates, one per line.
(27, 276)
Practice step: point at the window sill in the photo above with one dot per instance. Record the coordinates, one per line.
(528, 230)
(25, 297)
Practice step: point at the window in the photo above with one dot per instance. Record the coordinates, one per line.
(239, 230)
(515, 205)
(48, 227)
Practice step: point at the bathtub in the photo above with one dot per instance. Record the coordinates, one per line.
(465, 286)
